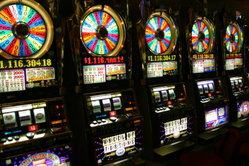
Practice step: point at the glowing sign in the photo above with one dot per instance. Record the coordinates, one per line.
(42, 159)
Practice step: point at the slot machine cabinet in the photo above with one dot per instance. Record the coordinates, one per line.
(233, 51)
(102, 53)
(165, 92)
(32, 114)
(210, 97)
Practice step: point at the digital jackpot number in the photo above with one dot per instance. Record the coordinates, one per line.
(25, 63)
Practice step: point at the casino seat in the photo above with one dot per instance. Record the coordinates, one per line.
(226, 148)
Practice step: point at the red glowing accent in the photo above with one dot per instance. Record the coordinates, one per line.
(103, 60)
(59, 114)
(181, 94)
(130, 102)
(169, 102)
(113, 113)
(240, 89)
(209, 94)
(32, 128)
(57, 106)
(62, 106)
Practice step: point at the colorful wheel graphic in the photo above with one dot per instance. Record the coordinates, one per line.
(160, 33)
(233, 38)
(26, 29)
(102, 31)
(202, 36)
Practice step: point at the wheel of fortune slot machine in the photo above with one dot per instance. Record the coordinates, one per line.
(103, 55)
(210, 95)
(232, 46)
(33, 123)
(163, 87)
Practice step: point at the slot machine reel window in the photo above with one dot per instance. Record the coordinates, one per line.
(103, 35)
(237, 85)
(20, 119)
(26, 31)
(161, 36)
(215, 117)
(243, 109)
(109, 108)
(38, 118)
(202, 41)
(209, 90)
(233, 43)
(167, 98)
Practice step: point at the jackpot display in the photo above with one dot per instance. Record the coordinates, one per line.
(61, 155)
(26, 37)
(103, 36)
(202, 43)
(233, 44)
(161, 35)
(115, 123)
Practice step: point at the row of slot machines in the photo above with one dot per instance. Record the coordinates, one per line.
(103, 87)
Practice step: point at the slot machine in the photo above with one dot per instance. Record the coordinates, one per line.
(233, 51)
(163, 92)
(113, 123)
(210, 95)
(32, 113)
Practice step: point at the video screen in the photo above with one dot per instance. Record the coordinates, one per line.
(104, 72)
(243, 109)
(215, 117)
(113, 147)
(57, 156)
(174, 129)
(203, 65)
(160, 69)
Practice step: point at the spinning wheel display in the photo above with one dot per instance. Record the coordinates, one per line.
(26, 29)
(202, 36)
(161, 33)
(102, 31)
(233, 39)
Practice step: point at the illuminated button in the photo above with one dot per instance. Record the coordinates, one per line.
(10, 138)
(99, 121)
(30, 135)
(169, 102)
(95, 122)
(16, 137)
(103, 120)
(3, 140)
